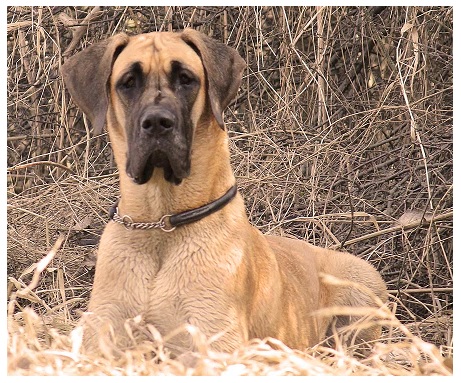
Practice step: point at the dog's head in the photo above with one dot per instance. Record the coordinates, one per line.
(152, 90)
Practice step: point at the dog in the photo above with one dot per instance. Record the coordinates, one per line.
(190, 255)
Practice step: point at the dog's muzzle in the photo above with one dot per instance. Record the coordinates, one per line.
(159, 140)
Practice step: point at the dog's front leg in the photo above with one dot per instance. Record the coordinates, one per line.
(119, 291)
(104, 329)
(221, 321)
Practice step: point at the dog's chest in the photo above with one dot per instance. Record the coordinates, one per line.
(192, 287)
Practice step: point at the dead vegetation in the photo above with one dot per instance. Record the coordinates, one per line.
(341, 134)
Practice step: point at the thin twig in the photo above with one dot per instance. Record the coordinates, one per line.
(393, 229)
(31, 164)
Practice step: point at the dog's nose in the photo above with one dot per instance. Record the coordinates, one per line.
(158, 122)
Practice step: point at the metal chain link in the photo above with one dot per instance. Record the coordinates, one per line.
(127, 221)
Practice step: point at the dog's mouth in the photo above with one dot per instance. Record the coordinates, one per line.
(141, 167)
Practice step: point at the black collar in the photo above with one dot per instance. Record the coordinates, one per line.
(169, 222)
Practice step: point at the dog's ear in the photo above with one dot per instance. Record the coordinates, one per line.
(86, 75)
(223, 69)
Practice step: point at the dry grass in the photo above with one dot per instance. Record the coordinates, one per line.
(38, 348)
(341, 134)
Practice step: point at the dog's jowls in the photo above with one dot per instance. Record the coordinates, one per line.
(161, 97)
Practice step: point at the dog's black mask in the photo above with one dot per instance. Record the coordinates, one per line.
(159, 127)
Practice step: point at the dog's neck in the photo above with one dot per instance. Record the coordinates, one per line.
(210, 178)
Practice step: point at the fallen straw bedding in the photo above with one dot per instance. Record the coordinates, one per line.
(341, 134)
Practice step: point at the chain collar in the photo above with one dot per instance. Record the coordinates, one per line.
(169, 222)
(127, 221)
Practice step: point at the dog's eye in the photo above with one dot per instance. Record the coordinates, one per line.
(185, 78)
(129, 82)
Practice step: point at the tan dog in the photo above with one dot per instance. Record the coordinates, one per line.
(161, 96)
